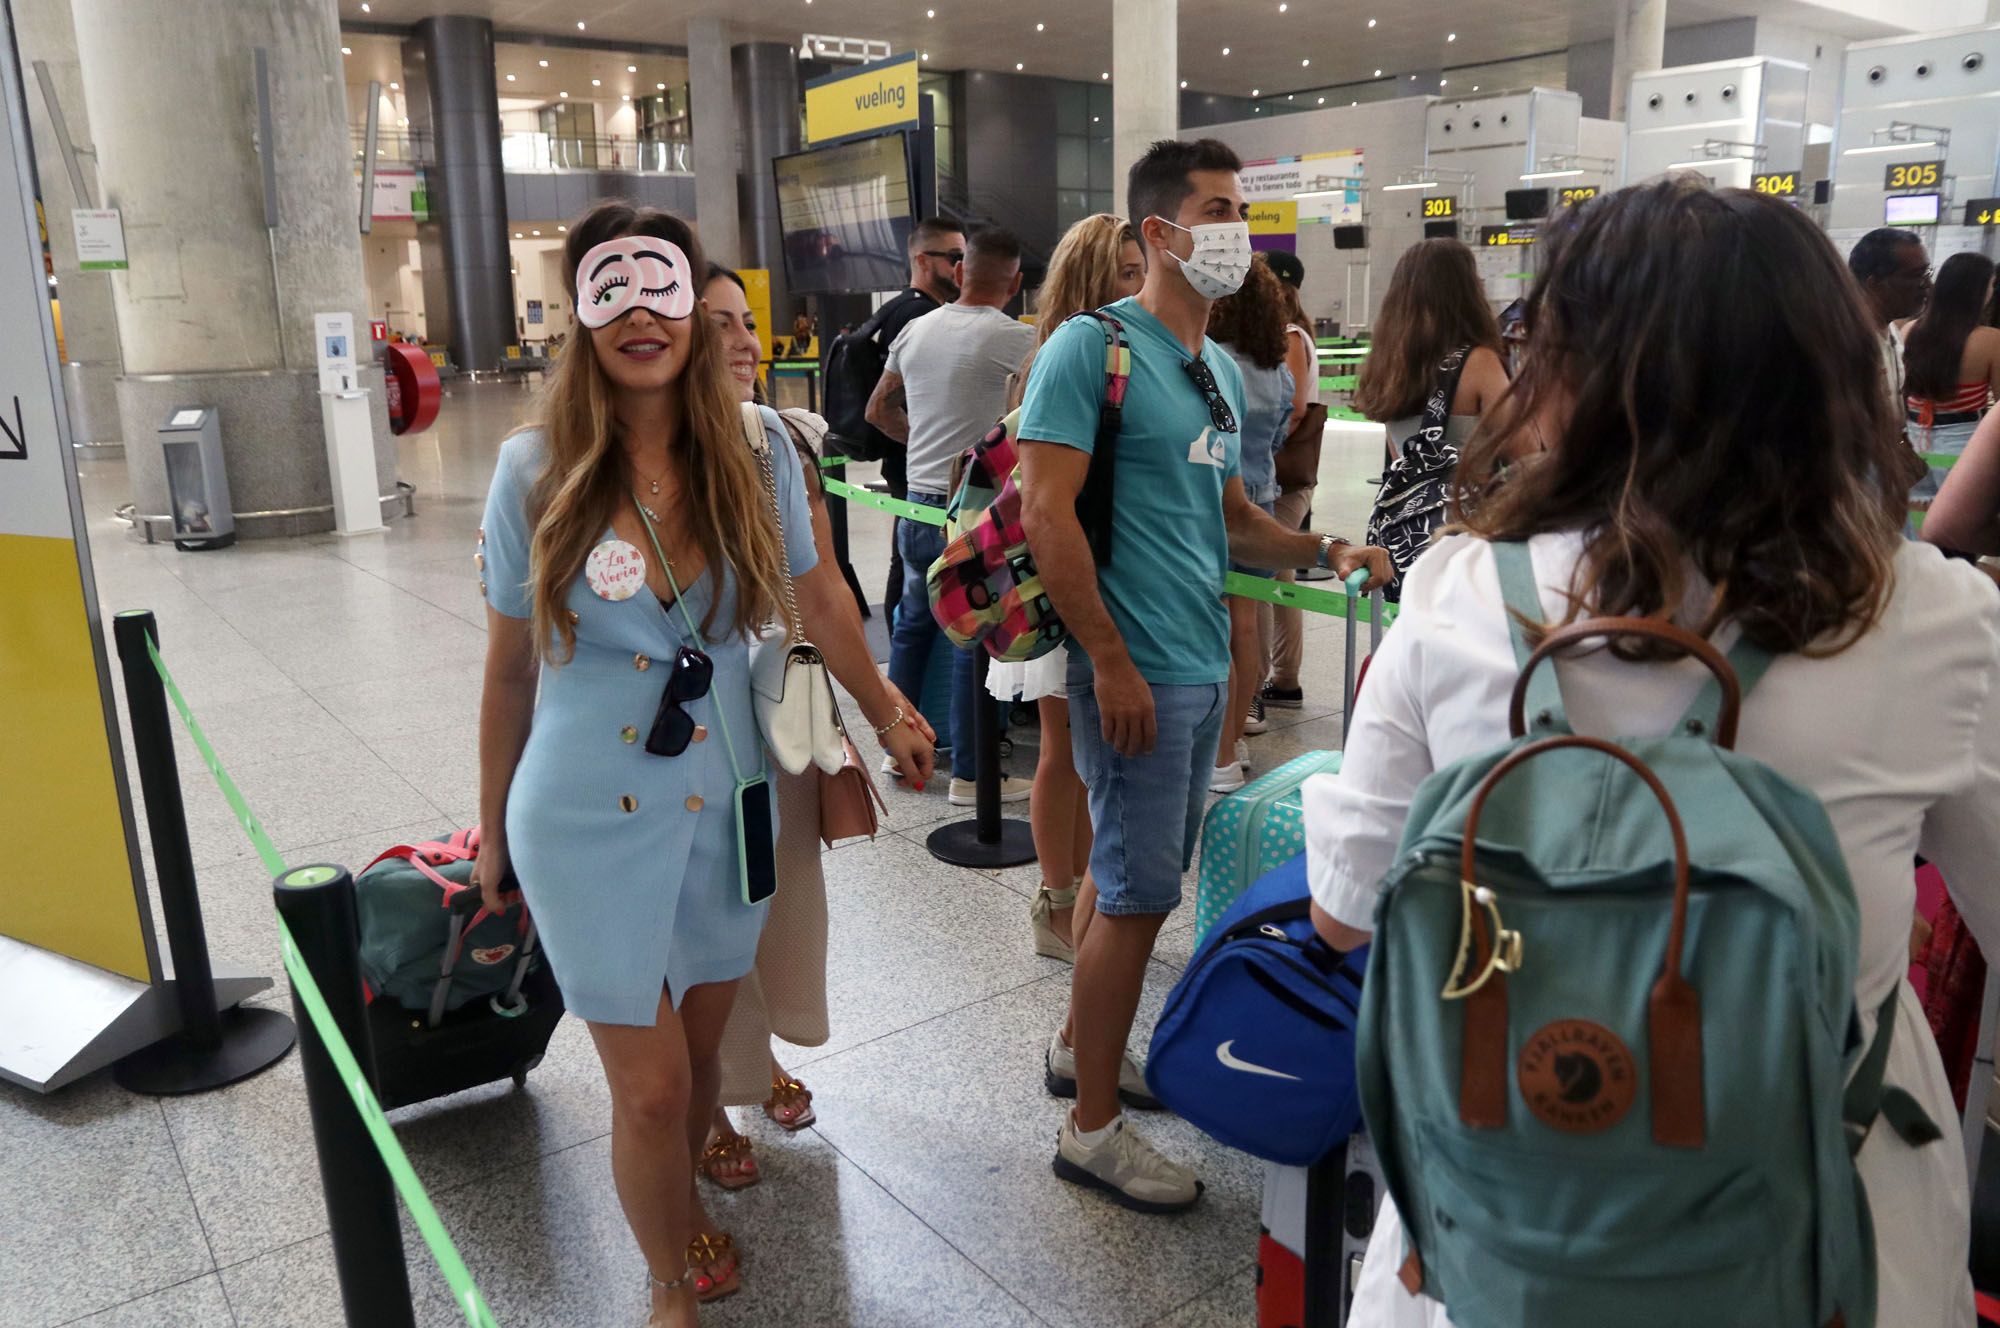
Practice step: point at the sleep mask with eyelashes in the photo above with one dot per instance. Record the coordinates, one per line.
(633, 272)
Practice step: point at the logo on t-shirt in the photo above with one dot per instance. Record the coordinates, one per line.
(1208, 449)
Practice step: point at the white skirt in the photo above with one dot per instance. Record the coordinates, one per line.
(1918, 1198)
(1030, 681)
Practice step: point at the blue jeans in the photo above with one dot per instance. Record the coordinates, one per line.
(1135, 801)
(917, 632)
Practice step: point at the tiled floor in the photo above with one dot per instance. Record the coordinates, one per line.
(339, 680)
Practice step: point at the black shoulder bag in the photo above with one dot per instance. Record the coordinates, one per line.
(1410, 505)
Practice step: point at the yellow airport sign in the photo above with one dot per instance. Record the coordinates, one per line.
(872, 99)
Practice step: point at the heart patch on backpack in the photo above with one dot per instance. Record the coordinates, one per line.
(1577, 1076)
(491, 955)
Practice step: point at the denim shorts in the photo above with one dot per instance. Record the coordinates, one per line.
(1134, 799)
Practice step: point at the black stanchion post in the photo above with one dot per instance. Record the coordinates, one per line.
(317, 904)
(213, 1047)
(1325, 1278)
(987, 840)
(836, 525)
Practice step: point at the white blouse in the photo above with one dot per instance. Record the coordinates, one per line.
(1894, 735)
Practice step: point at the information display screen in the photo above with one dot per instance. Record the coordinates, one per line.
(1910, 210)
(1527, 204)
(845, 214)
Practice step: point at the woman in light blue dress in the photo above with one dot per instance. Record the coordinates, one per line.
(628, 554)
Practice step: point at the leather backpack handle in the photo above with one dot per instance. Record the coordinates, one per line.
(1591, 628)
(1673, 1011)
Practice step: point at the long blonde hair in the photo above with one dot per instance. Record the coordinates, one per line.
(1083, 271)
(722, 499)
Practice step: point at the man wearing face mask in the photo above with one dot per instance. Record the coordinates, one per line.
(1148, 681)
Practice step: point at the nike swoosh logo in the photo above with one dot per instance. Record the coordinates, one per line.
(1222, 1054)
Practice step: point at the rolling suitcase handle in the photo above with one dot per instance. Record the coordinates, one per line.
(458, 906)
(1376, 606)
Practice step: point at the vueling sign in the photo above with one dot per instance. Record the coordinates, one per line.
(870, 99)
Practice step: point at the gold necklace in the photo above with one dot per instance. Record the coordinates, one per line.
(652, 484)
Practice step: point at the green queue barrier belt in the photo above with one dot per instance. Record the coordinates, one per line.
(1311, 598)
(429, 1225)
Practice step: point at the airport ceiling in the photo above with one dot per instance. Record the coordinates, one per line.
(1237, 47)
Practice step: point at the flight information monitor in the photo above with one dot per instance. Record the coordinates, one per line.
(845, 213)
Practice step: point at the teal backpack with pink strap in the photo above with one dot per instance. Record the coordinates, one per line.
(1608, 1049)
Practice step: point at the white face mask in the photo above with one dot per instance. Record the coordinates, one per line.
(1221, 257)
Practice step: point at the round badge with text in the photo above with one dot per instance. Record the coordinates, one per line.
(1577, 1076)
(615, 570)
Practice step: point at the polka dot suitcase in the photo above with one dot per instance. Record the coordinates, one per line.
(1251, 831)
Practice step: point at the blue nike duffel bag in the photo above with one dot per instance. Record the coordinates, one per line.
(1256, 1044)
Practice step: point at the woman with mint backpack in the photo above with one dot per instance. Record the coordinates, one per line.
(1716, 451)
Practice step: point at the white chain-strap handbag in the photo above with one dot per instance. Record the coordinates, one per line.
(788, 678)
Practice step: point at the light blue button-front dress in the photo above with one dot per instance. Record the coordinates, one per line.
(628, 860)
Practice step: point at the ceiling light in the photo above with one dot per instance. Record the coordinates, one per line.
(364, 8)
(661, 86)
(1305, 64)
(1378, 73)
(628, 96)
(1371, 22)
(519, 236)
(579, 25)
(1552, 175)
(543, 63)
(1323, 193)
(1018, 66)
(930, 13)
(1415, 184)
(1183, 85)
(347, 50)
(395, 87)
(1354, 103)
(1039, 27)
(1288, 96)
(631, 69)
(1105, 75)
(1225, 50)
(1322, 101)
(1451, 36)
(927, 55)
(1475, 87)
(1443, 81)
(562, 94)
(596, 82)
(1256, 92)
(562, 230)
(534, 232)
(1706, 162)
(1282, 8)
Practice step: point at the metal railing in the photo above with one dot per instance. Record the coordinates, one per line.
(542, 153)
(538, 152)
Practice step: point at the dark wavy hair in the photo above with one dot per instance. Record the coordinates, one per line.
(1435, 304)
(1724, 416)
(1253, 319)
(1936, 344)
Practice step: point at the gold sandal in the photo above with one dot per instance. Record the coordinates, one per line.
(705, 1252)
(1048, 942)
(729, 1163)
(790, 1104)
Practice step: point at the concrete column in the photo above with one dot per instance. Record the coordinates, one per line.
(468, 189)
(217, 309)
(1145, 82)
(769, 110)
(1638, 46)
(712, 107)
(89, 321)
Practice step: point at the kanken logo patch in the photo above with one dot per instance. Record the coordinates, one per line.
(492, 955)
(1577, 1076)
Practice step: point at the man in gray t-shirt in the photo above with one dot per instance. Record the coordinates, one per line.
(944, 385)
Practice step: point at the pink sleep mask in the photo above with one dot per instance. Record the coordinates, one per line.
(633, 272)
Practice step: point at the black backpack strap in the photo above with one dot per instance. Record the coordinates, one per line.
(1437, 406)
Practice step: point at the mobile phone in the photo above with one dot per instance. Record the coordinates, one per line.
(756, 853)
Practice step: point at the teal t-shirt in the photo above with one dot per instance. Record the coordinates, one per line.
(1169, 547)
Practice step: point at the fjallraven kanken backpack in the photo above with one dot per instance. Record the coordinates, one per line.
(1608, 1021)
(985, 588)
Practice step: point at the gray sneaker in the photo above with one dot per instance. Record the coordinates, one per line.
(1126, 1168)
(1059, 1073)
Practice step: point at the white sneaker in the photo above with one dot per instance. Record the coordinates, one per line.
(890, 768)
(1126, 1168)
(1059, 1073)
(1243, 755)
(965, 792)
(1225, 778)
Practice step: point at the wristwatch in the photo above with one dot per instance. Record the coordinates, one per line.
(1327, 544)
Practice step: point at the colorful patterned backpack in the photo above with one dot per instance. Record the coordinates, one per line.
(984, 587)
